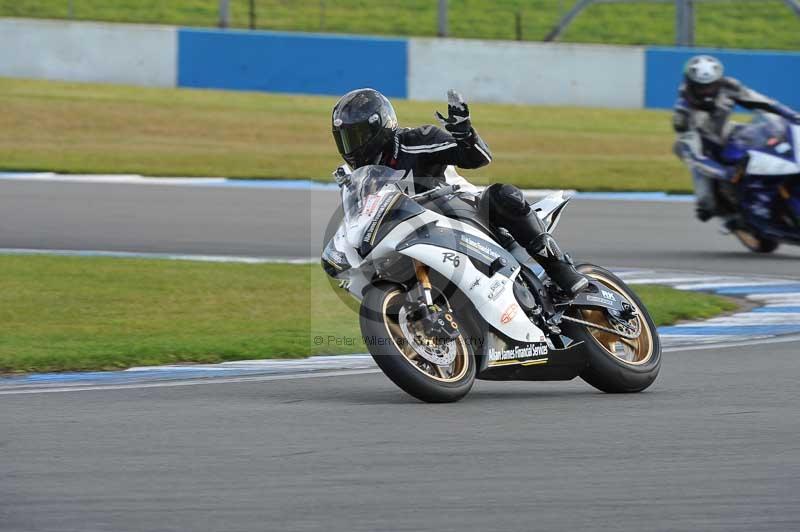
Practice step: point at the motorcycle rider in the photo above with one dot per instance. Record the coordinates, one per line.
(706, 100)
(366, 132)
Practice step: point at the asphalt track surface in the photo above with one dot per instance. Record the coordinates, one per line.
(290, 223)
(712, 445)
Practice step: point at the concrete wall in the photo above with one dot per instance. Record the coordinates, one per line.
(527, 73)
(485, 71)
(86, 51)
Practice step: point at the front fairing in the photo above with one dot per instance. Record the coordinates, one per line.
(767, 147)
(362, 198)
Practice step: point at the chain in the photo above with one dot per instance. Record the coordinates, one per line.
(600, 327)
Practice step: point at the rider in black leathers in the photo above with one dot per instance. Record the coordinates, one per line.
(702, 121)
(366, 132)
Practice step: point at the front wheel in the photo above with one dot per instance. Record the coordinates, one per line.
(426, 368)
(755, 243)
(616, 362)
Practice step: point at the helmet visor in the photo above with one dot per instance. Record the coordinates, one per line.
(705, 90)
(351, 138)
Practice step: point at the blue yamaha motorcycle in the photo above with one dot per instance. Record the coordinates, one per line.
(762, 201)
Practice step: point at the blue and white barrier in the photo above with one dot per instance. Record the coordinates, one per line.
(290, 62)
(415, 68)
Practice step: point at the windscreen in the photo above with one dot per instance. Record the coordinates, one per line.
(365, 182)
(765, 130)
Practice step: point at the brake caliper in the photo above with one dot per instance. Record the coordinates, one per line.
(625, 321)
(436, 322)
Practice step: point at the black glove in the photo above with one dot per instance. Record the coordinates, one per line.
(457, 121)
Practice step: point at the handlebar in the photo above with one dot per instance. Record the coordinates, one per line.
(437, 192)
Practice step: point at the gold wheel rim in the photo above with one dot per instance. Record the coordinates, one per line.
(633, 352)
(748, 239)
(452, 373)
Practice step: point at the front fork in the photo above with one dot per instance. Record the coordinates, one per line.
(791, 204)
(423, 282)
(437, 322)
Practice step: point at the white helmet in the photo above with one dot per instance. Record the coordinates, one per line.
(703, 77)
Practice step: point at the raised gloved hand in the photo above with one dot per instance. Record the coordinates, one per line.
(457, 121)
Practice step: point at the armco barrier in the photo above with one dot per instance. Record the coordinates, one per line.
(774, 73)
(422, 69)
(291, 62)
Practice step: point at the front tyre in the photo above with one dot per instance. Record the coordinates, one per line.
(617, 364)
(754, 243)
(431, 371)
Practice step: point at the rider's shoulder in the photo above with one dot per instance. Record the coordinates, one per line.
(427, 134)
(732, 84)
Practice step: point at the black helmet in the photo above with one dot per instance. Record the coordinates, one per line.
(364, 123)
(703, 78)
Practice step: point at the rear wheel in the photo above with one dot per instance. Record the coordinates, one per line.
(624, 355)
(427, 368)
(755, 243)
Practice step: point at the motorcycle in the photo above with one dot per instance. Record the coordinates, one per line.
(445, 298)
(761, 203)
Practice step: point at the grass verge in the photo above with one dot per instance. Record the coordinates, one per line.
(762, 24)
(62, 313)
(86, 128)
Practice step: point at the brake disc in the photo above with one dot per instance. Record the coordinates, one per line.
(431, 349)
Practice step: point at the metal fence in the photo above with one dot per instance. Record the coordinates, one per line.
(533, 20)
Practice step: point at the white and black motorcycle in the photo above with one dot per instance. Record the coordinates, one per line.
(446, 299)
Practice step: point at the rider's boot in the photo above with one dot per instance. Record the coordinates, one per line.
(505, 206)
(557, 264)
(705, 201)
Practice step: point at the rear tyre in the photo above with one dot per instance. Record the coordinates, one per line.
(617, 364)
(755, 243)
(433, 372)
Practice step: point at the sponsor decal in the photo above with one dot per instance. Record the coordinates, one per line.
(378, 218)
(335, 258)
(519, 354)
(608, 295)
(479, 247)
(371, 204)
(495, 289)
(345, 284)
(604, 301)
(476, 283)
(509, 313)
(455, 258)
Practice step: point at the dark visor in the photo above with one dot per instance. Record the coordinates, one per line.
(351, 138)
(709, 89)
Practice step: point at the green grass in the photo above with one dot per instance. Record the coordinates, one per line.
(60, 313)
(742, 24)
(70, 127)
(668, 306)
